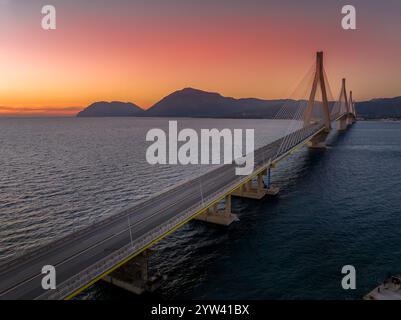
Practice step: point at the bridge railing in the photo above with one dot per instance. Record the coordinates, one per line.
(100, 268)
(44, 248)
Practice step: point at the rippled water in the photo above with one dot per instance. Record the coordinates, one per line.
(60, 174)
(337, 207)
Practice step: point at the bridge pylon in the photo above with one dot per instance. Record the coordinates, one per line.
(353, 110)
(318, 81)
(343, 121)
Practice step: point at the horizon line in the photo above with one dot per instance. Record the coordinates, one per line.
(70, 111)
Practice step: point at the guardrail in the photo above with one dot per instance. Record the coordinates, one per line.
(101, 267)
(45, 248)
(128, 251)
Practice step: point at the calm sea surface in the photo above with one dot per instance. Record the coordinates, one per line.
(337, 207)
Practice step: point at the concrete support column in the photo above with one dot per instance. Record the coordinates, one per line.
(143, 262)
(228, 204)
(271, 190)
(260, 182)
(269, 177)
(342, 124)
(318, 141)
(258, 190)
(222, 217)
(134, 275)
(350, 119)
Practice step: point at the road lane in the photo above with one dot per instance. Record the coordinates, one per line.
(21, 279)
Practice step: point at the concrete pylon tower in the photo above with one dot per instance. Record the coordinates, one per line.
(318, 81)
(344, 93)
(352, 104)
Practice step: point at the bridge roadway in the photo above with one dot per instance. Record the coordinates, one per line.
(84, 257)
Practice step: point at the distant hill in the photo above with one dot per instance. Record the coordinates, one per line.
(191, 102)
(111, 109)
(380, 108)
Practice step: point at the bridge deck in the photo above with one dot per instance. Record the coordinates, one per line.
(87, 255)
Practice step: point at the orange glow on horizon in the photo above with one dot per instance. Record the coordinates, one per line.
(135, 59)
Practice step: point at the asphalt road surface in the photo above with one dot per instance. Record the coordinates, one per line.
(21, 278)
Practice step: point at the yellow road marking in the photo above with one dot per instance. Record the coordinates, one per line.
(272, 165)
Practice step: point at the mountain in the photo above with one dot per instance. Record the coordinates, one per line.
(111, 109)
(191, 102)
(379, 108)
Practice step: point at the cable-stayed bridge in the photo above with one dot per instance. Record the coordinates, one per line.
(109, 247)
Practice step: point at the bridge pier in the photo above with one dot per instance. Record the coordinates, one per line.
(221, 217)
(319, 140)
(342, 124)
(350, 119)
(271, 190)
(134, 275)
(252, 190)
(257, 189)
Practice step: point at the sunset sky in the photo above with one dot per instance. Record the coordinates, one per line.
(140, 51)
